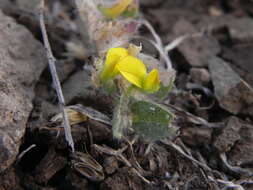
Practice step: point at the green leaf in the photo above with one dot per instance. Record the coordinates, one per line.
(150, 121)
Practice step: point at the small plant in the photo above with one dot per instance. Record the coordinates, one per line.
(126, 73)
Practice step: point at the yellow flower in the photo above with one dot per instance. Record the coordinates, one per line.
(133, 70)
(116, 10)
(152, 81)
(114, 55)
(119, 60)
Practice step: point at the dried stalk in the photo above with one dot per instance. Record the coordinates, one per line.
(234, 169)
(227, 184)
(118, 154)
(176, 42)
(56, 81)
(179, 150)
(158, 45)
(24, 152)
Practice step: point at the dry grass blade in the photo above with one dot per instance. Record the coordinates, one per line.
(158, 44)
(24, 152)
(91, 113)
(234, 169)
(56, 82)
(179, 150)
(140, 176)
(79, 113)
(227, 184)
(120, 157)
(190, 117)
(87, 166)
(176, 42)
(74, 116)
(112, 152)
(153, 32)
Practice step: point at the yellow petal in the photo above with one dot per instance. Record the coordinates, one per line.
(152, 82)
(114, 55)
(133, 70)
(117, 9)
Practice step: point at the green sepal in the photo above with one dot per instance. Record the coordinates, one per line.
(164, 90)
(110, 87)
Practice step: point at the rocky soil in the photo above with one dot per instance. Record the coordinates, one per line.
(212, 100)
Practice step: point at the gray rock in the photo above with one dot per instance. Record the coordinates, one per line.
(49, 166)
(64, 69)
(248, 110)
(77, 181)
(241, 29)
(195, 50)
(10, 180)
(32, 6)
(166, 19)
(241, 58)
(229, 135)
(5, 4)
(110, 165)
(22, 60)
(196, 136)
(200, 76)
(242, 152)
(78, 85)
(80, 88)
(151, 3)
(232, 92)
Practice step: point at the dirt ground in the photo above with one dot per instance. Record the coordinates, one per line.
(212, 101)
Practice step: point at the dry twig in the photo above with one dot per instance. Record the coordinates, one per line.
(158, 44)
(234, 169)
(179, 150)
(120, 157)
(24, 152)
(176, 42)
(227, 184)
(56, 82)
